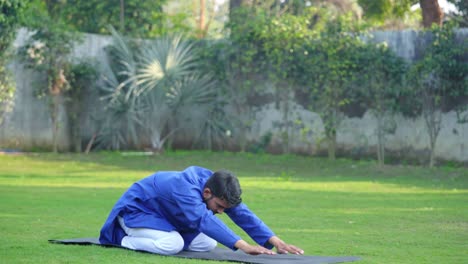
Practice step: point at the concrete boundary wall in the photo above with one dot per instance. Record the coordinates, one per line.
(28, 125)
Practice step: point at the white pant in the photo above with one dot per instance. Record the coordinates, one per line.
(162, 242)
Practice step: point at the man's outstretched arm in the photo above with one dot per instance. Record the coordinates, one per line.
(283, 248)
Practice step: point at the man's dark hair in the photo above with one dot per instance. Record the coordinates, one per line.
(224, 185)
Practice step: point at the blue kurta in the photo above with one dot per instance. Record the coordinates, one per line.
(173, 201)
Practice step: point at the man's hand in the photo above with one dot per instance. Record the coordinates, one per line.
(252, 250)
(283, 248)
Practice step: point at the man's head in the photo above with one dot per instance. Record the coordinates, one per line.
(222, 190)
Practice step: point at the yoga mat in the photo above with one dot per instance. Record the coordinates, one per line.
(222, 254)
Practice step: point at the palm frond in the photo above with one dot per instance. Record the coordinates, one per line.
(194, 89)
(153, 90)
(163, 61)
(126, 65)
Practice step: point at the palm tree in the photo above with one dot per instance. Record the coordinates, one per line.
(154, 90)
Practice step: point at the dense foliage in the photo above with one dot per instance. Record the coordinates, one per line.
(81, 76)
(462, 15)
(324, 61)
(316, 53)
(440, 80)
(382, 9)
(379, 86)
(11, 11)
(47, 52)
(134, 18)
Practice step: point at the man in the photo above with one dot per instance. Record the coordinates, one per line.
(170, 211)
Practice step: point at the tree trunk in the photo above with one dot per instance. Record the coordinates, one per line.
(432, 155)
(201, 20)
(431, 13)
(330, 133)
(122, 17)
(285, 134)
(380, 140)
(55, 121)
(332, 146)
(75, 127)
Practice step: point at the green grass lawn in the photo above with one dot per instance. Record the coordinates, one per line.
(395, 214)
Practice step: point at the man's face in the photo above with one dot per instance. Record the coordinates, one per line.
(215, 204)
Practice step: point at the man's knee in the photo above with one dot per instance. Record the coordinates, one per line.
(202, 243)
(210, 244)
(170, 245)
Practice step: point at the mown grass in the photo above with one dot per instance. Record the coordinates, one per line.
(395, 214)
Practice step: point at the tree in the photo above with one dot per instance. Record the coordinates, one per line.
(236, 63)
(391, 14)
(383, 9)
(149, 87)
(135, 18)
(200, 18)
(380, 85)
(282, 39)
(439, 78)
(11, 11)
(81, 76)
(431, 13)
(462, 15)
(262, 48)
(330, 72)
(46, 51)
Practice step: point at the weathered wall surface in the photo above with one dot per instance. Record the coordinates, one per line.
(357, 136)
(28, 126)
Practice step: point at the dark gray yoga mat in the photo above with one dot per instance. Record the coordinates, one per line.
(221, 254)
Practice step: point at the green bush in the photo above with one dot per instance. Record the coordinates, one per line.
(10, 15)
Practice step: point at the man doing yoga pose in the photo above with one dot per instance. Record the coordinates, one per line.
(171, 211)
